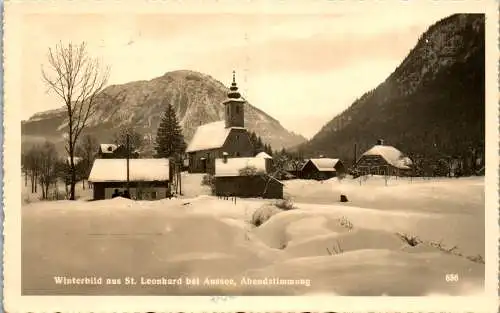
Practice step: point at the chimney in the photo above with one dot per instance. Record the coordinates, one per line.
(380, 142)
(224, 157)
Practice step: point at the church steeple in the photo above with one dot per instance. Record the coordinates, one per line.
(234, 106)
(233, 90)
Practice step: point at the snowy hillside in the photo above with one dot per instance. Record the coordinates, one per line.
(433, 104)
(353, 248)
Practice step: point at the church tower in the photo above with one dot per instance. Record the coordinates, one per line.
(234, 107)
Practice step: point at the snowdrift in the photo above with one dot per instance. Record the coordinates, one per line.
(347, 249)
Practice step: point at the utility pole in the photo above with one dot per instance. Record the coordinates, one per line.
(180, 174)
(128, 165)
(355, 154)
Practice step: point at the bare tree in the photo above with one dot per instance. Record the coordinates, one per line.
(24, 167)
(279, 163)
(48, 167)
(296, 164)
(77, 79)
(87, 149)
(136, 140)
(32, 166)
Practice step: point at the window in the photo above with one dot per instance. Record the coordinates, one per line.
(237, 109)
(153, 195)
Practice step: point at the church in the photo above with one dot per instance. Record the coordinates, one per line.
(226, 138)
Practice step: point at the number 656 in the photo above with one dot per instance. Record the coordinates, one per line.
(451, 277)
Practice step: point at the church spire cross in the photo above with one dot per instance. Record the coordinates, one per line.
(233, 90)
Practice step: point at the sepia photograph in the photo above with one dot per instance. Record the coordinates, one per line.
(260, 152)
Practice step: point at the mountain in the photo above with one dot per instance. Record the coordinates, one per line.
(432, 105)
(196, 97)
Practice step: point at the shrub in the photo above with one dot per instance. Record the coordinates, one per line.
(264, 213)
(409, 239)
(477, 259)
(285, 205)
(250, 171)
(209, 180)
(336, 249)
(344, 222)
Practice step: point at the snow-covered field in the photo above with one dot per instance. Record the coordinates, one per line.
(323, 245)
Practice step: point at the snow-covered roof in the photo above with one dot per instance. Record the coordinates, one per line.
(108, 147)
(323, 164)
(263, 155)
(233, 166)
(391, 155)
(115, 170)
(209, 136)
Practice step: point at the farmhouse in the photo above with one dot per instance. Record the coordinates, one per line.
(149, 179)
(211, 140)
(383, 160)
(246, 177)
(322, 168)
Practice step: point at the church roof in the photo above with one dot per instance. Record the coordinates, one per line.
(213, 135)
(210, 136)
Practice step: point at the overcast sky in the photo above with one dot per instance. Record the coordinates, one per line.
(300, 69)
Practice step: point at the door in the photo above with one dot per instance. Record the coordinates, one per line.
(204, 165)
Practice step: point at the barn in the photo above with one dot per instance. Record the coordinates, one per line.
(229, 136)
(322, 168)
(246, 177)
(383, 160)
(149, 179)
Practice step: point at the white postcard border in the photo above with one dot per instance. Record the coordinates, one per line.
(14, 302)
